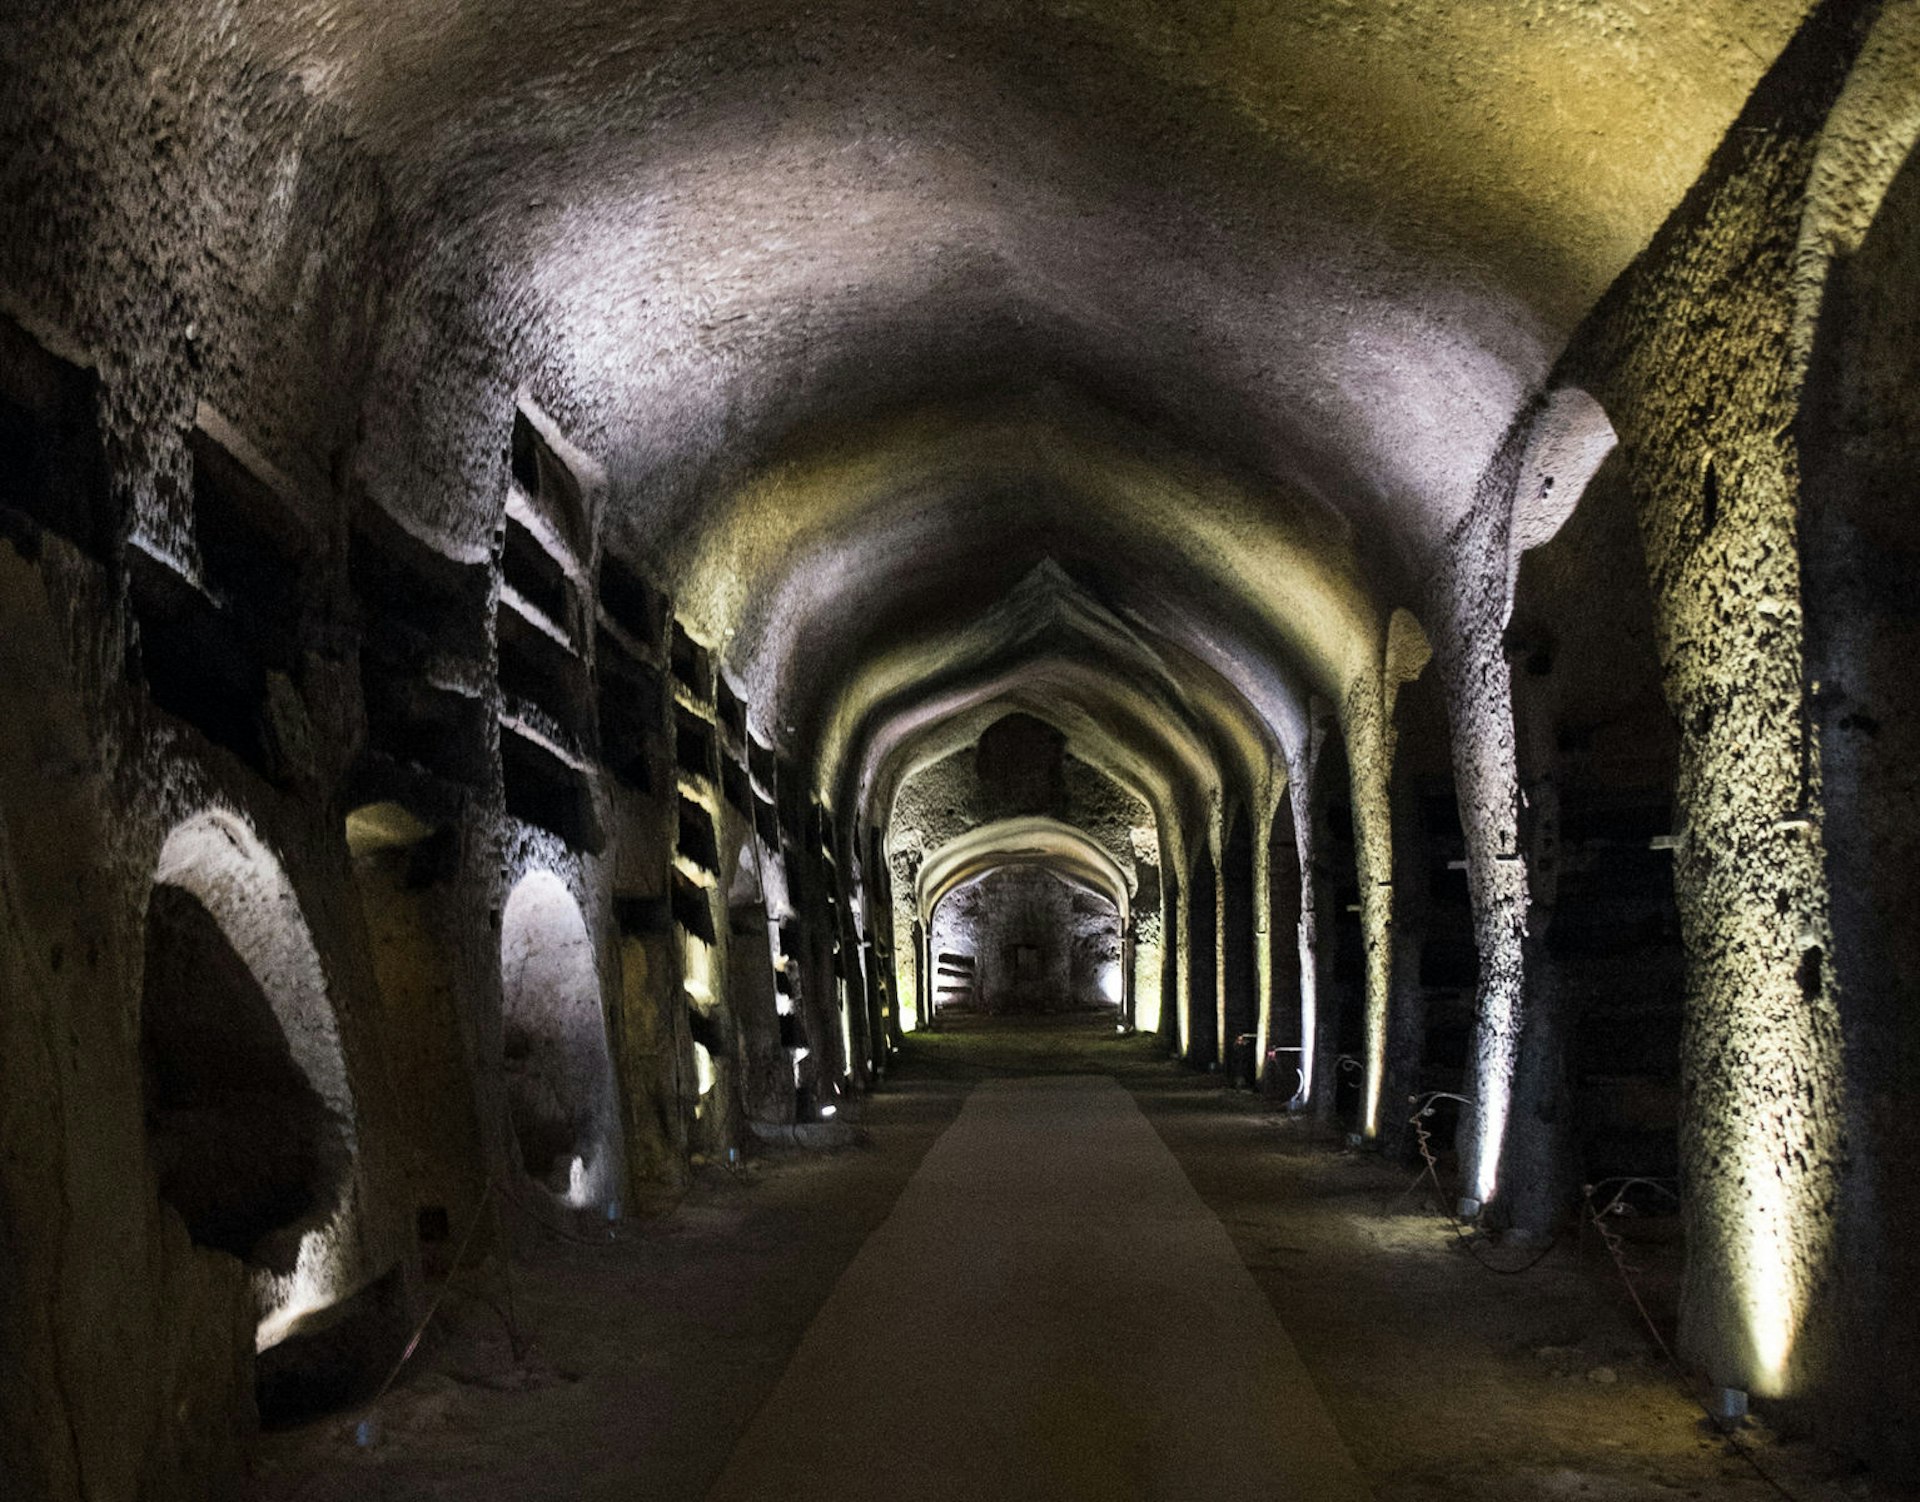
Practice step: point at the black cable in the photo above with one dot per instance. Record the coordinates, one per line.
(1616, 1248)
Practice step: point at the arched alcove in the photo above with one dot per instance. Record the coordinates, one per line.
(250, 1120)
(1283, 1061)
(1597, 1091)
(1170, 962)
(1203, 961)
(1339, 957)
(559, 1081)
(1862, 554)
(1029, 939)
(1239, 963)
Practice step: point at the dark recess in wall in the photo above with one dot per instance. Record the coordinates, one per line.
(543, 790)
(242, 1144)
(51, 468)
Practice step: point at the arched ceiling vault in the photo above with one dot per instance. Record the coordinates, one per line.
(871, 307)
(1058, 847)
(1158, 761)
(855, 572)
(1149, 713)
(1337, 241)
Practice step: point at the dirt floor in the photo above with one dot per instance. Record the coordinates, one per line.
(642, 1360)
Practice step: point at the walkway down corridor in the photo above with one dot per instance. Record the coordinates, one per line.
(1050, 1312)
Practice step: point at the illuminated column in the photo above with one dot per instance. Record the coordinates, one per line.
(1263, 947)
(1486, 779)
(1312, 895)
(1367, 759)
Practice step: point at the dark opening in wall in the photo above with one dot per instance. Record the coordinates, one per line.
(791, 801)
(733, 714)
(1450, 962)
(632, 712)
(421, 616)
(696, 837)
(695, 747)
(1283, 871)
(692, 908)
(1239, 975)
(243, 1144)
(766, 823)
(195, 663)
(692, 664)
(1021, 762)
(254, 548)
(764, 767)
(542, 789)
(632, 604)
(1615, 939)
(538, 670)
(414, 602)
(550, 483)
(1203, 962)
(535, 574)
(737, 786)
(707, 1029)
(51, 468)
(439, 730)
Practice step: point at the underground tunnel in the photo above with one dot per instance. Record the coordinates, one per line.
(1059, 750)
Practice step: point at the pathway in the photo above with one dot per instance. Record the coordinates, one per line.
(1050, 1312)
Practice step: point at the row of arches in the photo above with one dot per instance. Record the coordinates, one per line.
(251, 1121)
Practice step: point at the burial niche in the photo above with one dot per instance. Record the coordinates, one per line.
(559, 1080)
(1024, 939)
(248, 1115)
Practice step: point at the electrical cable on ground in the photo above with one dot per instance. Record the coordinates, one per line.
(1424, 1107)
(509, 1316)
(420, 1329)
(1616, 1248)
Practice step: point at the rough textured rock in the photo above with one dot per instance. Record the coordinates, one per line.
(697, 465)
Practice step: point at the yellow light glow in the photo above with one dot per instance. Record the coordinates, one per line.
(703, 1068)
(1149, 965)
(696, 970)
(1309, 1016)
(1771, 1302)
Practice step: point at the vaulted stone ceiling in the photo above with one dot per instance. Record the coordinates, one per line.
(871, 308)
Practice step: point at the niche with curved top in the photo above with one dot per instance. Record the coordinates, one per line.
(1023, 938)
(559, 1077)
(249, 1114)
